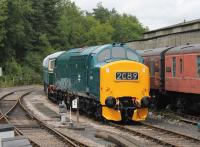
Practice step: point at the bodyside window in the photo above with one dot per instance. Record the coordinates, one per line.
(152, 68)
(174, 66)
(181, 66)
(198, 66)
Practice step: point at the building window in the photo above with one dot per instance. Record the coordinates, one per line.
(104, 55)
(181, 66)
(174, 66)
(198, 65)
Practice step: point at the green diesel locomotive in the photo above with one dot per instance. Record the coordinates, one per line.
(110, 80)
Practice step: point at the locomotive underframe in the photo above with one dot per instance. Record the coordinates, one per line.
(90, 105)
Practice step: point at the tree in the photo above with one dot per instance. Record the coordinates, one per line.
(100, 34)
(102, 14)
(3, 18)
(32, 29)
(127, 28)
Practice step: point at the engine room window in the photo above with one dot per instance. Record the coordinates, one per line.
(104, 55)
(51, 65)
(118, 52)
(198, 65)
(181, 65)
(174, 66)
(132, 56)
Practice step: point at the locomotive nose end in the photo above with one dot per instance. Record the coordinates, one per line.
(145, 101)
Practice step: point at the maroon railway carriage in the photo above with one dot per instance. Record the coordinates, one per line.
(175, 76)
(154, 59)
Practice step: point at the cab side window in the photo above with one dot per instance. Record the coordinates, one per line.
(51, 65)
(118, 52)
(104, 55)
(198, 66)
(174, 66)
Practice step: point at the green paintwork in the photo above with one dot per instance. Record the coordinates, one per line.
(48, 77)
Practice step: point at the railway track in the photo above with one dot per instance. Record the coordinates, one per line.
(27, 124)
(159, 135)
(190, 119)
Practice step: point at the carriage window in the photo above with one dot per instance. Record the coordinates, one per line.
(104, 55)
(118, 52)
(181, 65)
(174, 66)
(152, 68)
(132, 56)
(51, 64)
(198, 65)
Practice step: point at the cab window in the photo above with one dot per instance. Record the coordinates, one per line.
(118, 52)
(104, 55)
(174, 66)
(51, 64)
(198, 65)
(132, 56)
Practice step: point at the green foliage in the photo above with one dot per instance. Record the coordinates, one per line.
(13, 68)
(32, 29)
(100, 34)
(127, 28)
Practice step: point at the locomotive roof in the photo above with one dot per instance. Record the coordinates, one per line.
(87, 50)
(83, 51)
(77, 52)
(153, 52)
(184, 49)
(51, 56)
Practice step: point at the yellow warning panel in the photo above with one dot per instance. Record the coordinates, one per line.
(140, 114)
(111, 114)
